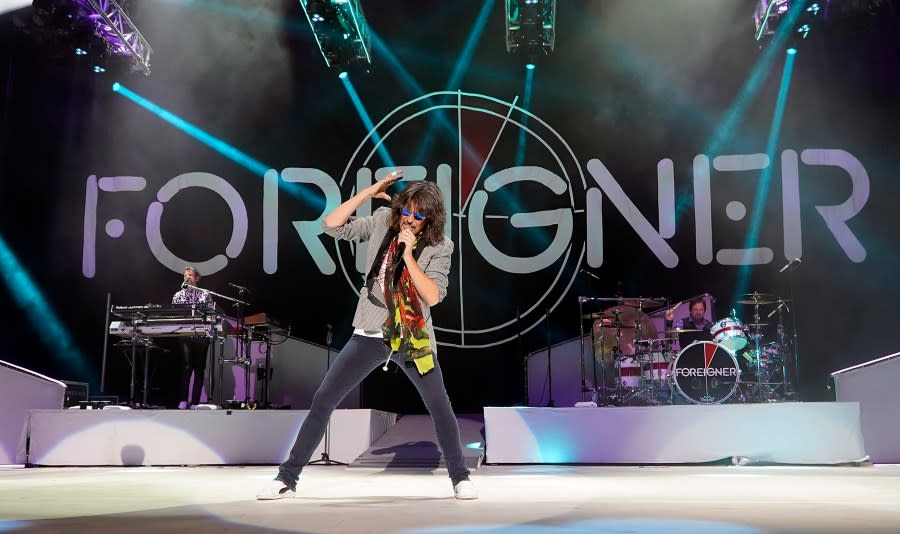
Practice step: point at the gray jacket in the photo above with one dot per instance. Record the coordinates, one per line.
(434, 260)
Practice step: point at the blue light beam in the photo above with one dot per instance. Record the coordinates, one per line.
(762, 190)
(41, 315)
(459, 70)
(222, 147)
(367, 121)
(526, 105)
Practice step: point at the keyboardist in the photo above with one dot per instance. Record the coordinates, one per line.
(192, 350)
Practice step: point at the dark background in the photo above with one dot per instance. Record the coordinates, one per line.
(631, 82)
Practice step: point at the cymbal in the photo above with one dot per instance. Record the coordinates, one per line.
(628, 319)
(758, 298)
(756, 325)
(641, 302)
(676, 331)
(612, 324)
(597, 315)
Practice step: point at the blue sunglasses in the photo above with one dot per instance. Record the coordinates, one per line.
(417, 216)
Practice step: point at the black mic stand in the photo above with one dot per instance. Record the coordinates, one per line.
(550, 403)
(240, 305)
(794, 321)
(326, 458)
(243, 348)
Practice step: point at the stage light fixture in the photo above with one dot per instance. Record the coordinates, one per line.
(797, 17)
(341, 31)
(531, 27)
(93, 27)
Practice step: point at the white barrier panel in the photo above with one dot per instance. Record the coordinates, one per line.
(792, 433)
(22, 390)
(875, 385)
(202, 437)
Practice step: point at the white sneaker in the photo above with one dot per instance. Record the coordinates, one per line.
(275, 489)
(182, 405)
(464, 490)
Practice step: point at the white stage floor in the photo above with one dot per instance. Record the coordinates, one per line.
(514, 499)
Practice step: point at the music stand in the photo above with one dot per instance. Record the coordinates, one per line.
(326, 459)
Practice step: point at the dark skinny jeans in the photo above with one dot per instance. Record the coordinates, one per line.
(360, 356)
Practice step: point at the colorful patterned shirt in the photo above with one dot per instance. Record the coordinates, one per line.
(192, 296)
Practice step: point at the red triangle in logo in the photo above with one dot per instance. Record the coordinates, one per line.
(479, 131)
(709, 349)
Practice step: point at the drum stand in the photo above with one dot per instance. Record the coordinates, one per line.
(783, 351)
(765, 390)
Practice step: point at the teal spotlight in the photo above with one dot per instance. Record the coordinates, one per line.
(526, 104)
(36, 307)
(791, 51)
(211, 141)
(367, 121)
(342, 75)
(762, 190)
(219, 145)
(456, 77)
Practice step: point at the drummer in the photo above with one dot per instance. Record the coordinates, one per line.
(696, 321)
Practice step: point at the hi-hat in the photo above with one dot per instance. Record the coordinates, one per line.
(758, 298)
(640, 302)
(676, 331)
(756, 325)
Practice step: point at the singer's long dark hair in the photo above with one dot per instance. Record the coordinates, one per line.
(429, 202)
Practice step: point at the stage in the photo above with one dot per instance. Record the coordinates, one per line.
(398, 496)
(797, 433)
(513, 500)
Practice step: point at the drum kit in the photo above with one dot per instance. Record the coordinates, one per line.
(637, 364)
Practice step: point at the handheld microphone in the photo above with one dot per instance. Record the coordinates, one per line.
(398, 255)
(184, 285)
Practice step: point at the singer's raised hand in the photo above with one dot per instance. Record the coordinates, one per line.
(342, 213)
(379, 188)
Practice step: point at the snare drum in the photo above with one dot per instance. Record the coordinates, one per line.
(729, 332)
(705, 373)
(657, 367)
(630, 373)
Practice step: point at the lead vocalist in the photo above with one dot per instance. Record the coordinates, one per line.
(408, 264)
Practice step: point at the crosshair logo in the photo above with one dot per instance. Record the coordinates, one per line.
(516, 215)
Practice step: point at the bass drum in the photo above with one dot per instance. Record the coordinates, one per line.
(705, 373)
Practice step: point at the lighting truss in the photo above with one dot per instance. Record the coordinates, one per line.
(769, 16)
(113, 25)
(99, 29)
(531, 26)
(341, 31)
